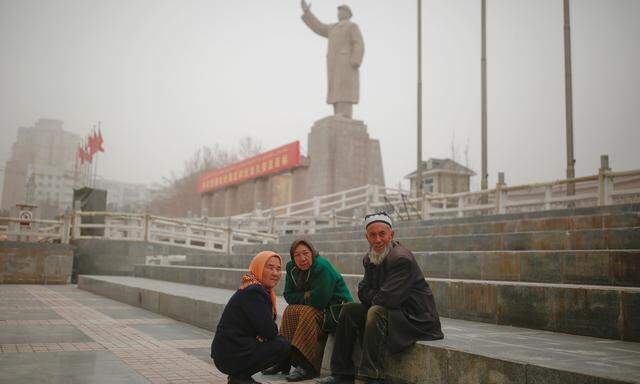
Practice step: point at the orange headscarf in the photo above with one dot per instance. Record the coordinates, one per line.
(255, 275)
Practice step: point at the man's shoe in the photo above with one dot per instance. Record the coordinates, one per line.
(376, 381)
(335, 379)
(299, 374)
(277, 369)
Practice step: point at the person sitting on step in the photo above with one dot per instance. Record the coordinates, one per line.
(396, 308)
(246, 339)
(313, 288)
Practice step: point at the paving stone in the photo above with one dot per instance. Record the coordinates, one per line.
(176, 331)
(128, 313)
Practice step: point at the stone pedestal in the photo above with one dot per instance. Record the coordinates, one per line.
(342, 156)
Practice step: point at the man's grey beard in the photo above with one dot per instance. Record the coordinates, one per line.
(377, 257)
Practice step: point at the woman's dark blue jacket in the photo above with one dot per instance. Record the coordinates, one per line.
(247, 314)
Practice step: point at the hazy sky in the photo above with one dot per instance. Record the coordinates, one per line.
(168, 76)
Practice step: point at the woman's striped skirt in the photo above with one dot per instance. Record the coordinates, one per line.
(302, 327)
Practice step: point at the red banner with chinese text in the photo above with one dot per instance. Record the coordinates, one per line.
(267, 163)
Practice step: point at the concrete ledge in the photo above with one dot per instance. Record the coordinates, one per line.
(493, 227)
(35, 263)
(117, 257)
(608, 267)
(559, 213)
(201, 306)
(470, 353)
(599, 311)
(587, 239)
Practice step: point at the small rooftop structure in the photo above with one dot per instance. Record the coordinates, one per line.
(442, 176)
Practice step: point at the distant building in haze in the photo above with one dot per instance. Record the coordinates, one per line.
(42, 168)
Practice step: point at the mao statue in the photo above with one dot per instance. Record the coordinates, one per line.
(344, 57)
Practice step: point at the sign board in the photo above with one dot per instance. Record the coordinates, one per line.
(25, 218)
(267, 163)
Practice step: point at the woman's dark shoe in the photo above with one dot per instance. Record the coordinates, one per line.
(300, 374)
(277, 369)
(241, 380)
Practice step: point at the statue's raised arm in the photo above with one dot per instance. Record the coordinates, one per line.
(312, 21)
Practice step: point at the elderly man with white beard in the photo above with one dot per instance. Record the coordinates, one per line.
(396, 308)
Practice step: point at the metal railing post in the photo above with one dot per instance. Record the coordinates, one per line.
(333, 222)
(77, 221)
(272, 222)
(229, 235)
(316, 206)
(376, 194)
(426, 207)
(501, 195)
(66, 228)
(146, 223)
(548, 195)
(605, 183)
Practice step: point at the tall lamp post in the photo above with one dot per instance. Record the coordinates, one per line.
(484, 183)
(419, 167)
(568, 99)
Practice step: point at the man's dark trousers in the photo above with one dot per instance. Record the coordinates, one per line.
(369, 324)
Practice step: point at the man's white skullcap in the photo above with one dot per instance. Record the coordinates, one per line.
(378, 217)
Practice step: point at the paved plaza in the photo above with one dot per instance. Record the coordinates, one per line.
(60, 334)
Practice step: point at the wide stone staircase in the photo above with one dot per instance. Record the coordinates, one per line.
(541, 297)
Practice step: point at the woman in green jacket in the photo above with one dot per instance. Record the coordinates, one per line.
(312, 288)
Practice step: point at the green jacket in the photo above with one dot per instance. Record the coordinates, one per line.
(325, 283)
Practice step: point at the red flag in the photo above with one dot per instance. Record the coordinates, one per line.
(99, 141)
(92, 140)
(81, 154)
(88, 155)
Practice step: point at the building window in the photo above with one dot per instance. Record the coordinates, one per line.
(427, 185)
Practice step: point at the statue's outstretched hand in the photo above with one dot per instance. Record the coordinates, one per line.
(305, 6)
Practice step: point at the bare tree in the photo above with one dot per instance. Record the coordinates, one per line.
(248, 147)
(178, 195)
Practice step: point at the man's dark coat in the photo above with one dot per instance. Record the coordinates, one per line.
(398, 285)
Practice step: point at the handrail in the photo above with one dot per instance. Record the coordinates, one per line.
(309, 215)
(495, 200)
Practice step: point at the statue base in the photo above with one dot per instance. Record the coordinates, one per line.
(342, 156)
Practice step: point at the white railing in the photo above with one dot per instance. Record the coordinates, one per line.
(605, 188)
(34, 230)
(334, 210)
(306, 216)
(334, 203)
(131, 227)
(162, 230)
(283, 225)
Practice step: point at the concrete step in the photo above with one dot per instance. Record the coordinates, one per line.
(608, 267)
(624, 220)
(590, 310)
(470, 353)
(584, 239)
(555, 213)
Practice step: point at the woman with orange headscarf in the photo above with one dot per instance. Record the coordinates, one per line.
(246, 339)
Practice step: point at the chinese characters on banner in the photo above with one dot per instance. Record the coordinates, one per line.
(274, 161)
